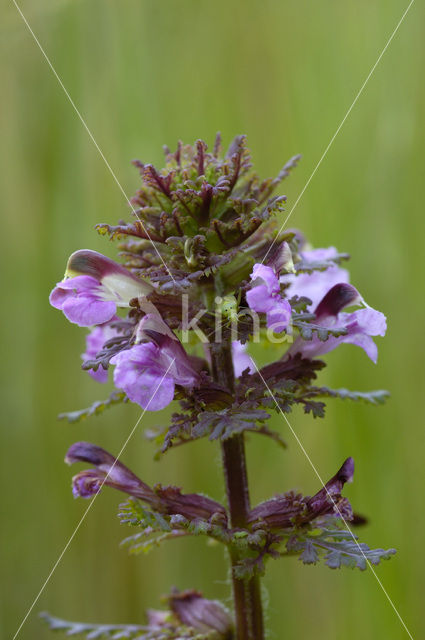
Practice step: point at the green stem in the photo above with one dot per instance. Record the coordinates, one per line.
(246, 593)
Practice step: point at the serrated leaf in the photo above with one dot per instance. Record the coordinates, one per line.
(350, 553)
(317, 409)
(228, 422)
(309, 555)
(148, 539)
(95, 409)
(337, 546)
(170, 631)
(157, 528)
(378, 396)
(307, 328)
(305, 266)
(94, 631)
(135, 513)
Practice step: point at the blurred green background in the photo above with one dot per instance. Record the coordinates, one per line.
(146, 73)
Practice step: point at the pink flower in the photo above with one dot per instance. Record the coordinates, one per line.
(265, 297)
(94, 343)
(315, 285)
(360, 325)
(95, 286)
(149, 371)
(241, 360)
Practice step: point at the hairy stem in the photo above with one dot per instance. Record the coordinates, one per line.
(246, 593)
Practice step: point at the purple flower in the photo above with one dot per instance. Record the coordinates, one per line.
(359, 325)
(149, 371)
(264, 297)
(283, 511)
(82, 301)
(111, 472)
(87, 483)
(241, 360)
(94, 286)
(94, 343)
(201, 614)
(108, 470)
(328, 499)
(315, 285)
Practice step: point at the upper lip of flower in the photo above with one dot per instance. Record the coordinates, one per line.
(337, 298)
(358, 325)
(117, 280)
(94, 286)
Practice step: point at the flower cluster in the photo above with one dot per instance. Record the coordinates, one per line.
(204, 273)
(212, 225)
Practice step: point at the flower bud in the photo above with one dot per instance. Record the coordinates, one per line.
(282, 512)
(199, 613)
(108, 471)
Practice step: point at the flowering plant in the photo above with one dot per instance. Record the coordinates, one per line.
(205, 272)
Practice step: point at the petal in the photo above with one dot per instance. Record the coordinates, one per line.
(365, 342)
(175, 361)
(139, 356)
(97, 338)
(100, 375)
(315, 285)
(71, 288)
(259, 299)
(139, 372)
(341, 295)
(94, 343)
(371, 321)
(268, 276)
(279, 317)
(87, 484)
(241, 360)
(85, 310)
(151, 391)
(328, 253)
(58, 296)
(315, 347)
(112, 275)
(171, 357)
(80, 300)
(194, 611)
(108, 470)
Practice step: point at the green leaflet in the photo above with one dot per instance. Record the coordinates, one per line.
(156, 528)
(337, 546)
(378, 396)
(95, 409)
(120, 631)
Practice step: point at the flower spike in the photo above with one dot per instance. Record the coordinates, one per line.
(185, 334)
